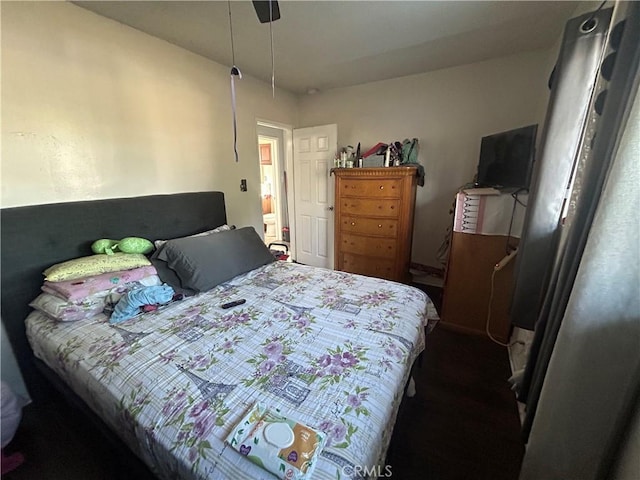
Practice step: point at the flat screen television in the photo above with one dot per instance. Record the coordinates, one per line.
(506, 158)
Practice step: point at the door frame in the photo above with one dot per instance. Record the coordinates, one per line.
(286, 168)
(274, 138)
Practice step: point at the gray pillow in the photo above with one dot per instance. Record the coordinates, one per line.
(167, 275)
(201, 263)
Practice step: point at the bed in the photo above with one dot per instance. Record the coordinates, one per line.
(330, 349)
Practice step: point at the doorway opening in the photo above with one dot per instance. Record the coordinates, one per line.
(268, 180)
(273, 186)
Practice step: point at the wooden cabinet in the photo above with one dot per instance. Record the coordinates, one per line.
(374, 220)
(467, 287)
(265, 154)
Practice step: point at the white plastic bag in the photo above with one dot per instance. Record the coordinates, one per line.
(280, 445)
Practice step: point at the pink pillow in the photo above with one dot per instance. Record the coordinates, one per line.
(76, 290)
(64, 311)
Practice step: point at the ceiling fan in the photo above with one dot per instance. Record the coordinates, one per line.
(267, 10)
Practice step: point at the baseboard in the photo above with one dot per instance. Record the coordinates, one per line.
(460, 329)
(427, 275)
(425, 279)
(470, 331)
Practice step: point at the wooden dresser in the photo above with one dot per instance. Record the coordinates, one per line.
(374, 221)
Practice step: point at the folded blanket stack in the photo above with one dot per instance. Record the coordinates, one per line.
(82, 288)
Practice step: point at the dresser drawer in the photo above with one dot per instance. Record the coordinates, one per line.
(368, 266)
(370, 246)
(370, 226)
(377, 187)
(370, 207)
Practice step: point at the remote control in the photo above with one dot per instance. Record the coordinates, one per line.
(233, 304)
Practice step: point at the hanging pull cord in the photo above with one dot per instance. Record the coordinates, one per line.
(273, 66)
(233, 53)
(235, 72)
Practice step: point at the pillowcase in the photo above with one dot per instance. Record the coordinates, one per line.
(94, 265)
(201, 263)
(221, 228)
(65, 311)
(80, 288)
(168, 276)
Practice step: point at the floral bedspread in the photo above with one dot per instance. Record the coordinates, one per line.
(331, 349)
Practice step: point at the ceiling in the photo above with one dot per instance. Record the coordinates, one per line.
(329, 44)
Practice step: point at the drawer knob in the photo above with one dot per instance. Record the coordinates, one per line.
(353, 223)
(381, 187)
(379, 226)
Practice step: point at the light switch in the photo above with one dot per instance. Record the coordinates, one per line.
(243, 185)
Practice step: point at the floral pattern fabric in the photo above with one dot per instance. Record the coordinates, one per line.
(332, 348)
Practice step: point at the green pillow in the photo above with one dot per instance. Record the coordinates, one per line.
(126, 245)
(135, 245)
(104, 245)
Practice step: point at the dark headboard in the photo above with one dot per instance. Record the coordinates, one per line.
(35, 237)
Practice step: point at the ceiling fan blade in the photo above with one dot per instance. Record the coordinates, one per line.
(262, 10)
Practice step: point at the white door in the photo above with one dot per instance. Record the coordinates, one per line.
(314, 150)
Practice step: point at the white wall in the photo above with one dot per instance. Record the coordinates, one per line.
(448, 111)
(94, 109)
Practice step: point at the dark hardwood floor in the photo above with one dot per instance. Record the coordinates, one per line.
(463, 421)
(461, 424)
